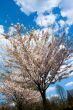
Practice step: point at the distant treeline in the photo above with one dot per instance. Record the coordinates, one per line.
(55, 104)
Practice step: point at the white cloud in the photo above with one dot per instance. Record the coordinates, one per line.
(41, 6)
(71, 74)
(29, 6)
(69, 84)
(45, 20)
(67, 10)
(62, 23)
(50, 89)
(1, 29)
(52, 96)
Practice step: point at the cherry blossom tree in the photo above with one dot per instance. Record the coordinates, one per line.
(40, 59)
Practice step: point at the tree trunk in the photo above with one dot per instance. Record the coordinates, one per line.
(19, 106)
(43, 94)
(46, 104)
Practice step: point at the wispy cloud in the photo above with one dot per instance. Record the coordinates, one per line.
(69, 84)
(67, 10)
(51, 89)
(71, 74)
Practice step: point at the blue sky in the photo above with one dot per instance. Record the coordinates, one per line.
(10, 13)
(38, 14)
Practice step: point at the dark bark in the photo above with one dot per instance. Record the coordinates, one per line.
(19, 106)
(43, 94)
(46, 104)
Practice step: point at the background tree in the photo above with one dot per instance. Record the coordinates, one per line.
(41, 61)
(14, 93)
(62, 93)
